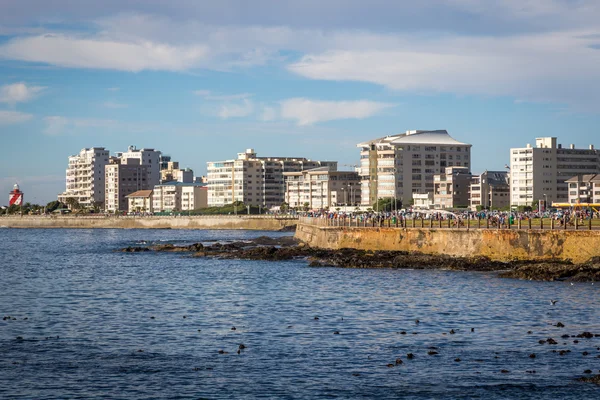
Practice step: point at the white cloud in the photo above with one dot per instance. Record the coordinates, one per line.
(59, 125)
(236, 110)
(13, 117)
(111, 104)
(19, 93)
(75, 52)
(208, 95)
(268, 114)
(308, 112)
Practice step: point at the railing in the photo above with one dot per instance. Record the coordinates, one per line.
(453, 223)
(108, 216)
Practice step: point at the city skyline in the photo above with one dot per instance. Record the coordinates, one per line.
(202, 81)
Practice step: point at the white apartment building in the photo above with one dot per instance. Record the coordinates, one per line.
(398, 166)
(490, 190)
(321, 188)
(140, 201)
(179, 196)
(148, 157)
(123, 177)
(539, 173)
(85, 177)
(584, 189)
(256, 181)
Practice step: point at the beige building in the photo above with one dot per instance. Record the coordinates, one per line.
(398, 166)
(172, 173)
(490, 190)
(123, 177)
(451, 189)
(179, 196)
(140, 201)
(321, 188)
(539, 173)
(423, 200)
(584, 189)
(254, 180)
(85, 177)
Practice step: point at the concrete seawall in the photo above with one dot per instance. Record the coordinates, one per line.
(267, 223)
(500, 245)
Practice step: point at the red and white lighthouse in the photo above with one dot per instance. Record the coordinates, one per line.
(15, 197)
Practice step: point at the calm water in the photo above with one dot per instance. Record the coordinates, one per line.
(89, 331)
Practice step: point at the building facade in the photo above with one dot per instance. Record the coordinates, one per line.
(320, 188)
(490, 191)
(179, 196)
(253, 180)
(399, 165)
(539, 173)
(451, 188)
(172, 172)
(584, 189)
(140, 201)
(85, 178)
(148, 157)
(123, 177)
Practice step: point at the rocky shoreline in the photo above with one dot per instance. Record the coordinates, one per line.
(288, 248)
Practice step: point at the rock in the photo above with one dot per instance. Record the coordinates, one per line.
(398, 361)
(336, 332)
(233, 328)
(316, 318)
(410, 356)
(452, 331)
(560, 325)
(585, 353)
(242, 346)
(457, 360)
(586, 335)
(529, 332)
(390, 365)
(432, 353)
(551, 341)
(564, 336)
(403, 333)
(541, 341)
(532, 355)
(505, 371)
(587, 371)
(592, 379)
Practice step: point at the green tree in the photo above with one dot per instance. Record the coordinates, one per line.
(387, 204)
(53, 205)
(72, 203)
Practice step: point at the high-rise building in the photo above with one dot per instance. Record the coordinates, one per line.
(397, 166)
(321, 188)
(253, 180)
(539, 173)
(85, 177)
(124, 177)
(490, 190)
(148, 157)
(451, 188)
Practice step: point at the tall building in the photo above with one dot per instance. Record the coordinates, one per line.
(399, 165)
(539, 173)
(124, 177)
(85, 177)
(490, 190)
(451, 188)
(321, 188)
(253, 180)
(148, 157)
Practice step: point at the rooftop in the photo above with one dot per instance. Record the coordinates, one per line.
(417, 137)
(140, 193)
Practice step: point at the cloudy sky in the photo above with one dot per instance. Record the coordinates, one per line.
(203, 80)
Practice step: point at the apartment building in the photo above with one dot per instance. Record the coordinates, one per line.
(172, 172)
(320, 188)
(584, 189)
(254, 180)
(148, 157)
(179, 196)
(451, 188)
(540, 173)
(490, 190)
(399, 165)
(123, 177)
(85, 177)
(140, 201)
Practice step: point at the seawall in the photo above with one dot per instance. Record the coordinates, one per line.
(498, 245)
(267, 223)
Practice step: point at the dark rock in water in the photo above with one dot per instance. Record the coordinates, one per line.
(472, 329)
(136, 249)
(336, 332)
(233, 328)
(390, 365)
(505, 371)
(457, 360)
(586, 335)
(403, 333)
(529, 332)
(19, 337)
(410, 356)
(591, 379)
(585, 353)
(222, 352)
(398, 361)
(587, 371)
(541, 341)
(551, 341)
(531, 372)
(532, 355)
(560, 325)
(316, 318)
(432, 353)
(565, 336)
(242, 346)
(452, 331)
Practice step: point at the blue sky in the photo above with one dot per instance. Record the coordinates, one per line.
(203, 80)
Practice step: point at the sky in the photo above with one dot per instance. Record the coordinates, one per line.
(203, 80)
